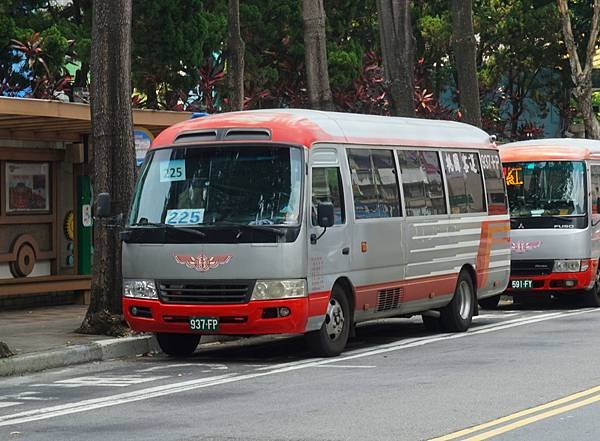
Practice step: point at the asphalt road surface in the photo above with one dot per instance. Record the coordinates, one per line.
(518, 374)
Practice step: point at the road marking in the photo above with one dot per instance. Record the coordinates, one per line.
(9, 404)
(212, 366)
(517, 415)
(169, 389)
(345, 366)
(488, 316)
(108, 381)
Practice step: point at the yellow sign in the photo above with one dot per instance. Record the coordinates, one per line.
(513, 176)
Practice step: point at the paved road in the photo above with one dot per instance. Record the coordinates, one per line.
(518, 374)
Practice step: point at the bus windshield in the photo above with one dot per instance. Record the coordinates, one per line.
(249, 185)
(546, 188)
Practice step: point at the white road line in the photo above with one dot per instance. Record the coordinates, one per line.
(108, 381)
(345, 366)
(168, 366)
(9, 404)
(488, 316)
(169, 389)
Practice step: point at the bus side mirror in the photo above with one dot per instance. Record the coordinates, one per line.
(325, 214)
(103, 205)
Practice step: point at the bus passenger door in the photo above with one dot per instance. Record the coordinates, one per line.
(329, 253)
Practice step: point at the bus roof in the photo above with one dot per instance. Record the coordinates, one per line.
(307, 127)
(552, 149)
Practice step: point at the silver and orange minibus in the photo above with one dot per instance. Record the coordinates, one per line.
(553, 188)
(306, 222)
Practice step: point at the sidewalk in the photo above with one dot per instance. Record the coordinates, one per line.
(44, 338)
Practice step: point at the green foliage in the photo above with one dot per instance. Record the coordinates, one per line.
(171, 40)
(344, 66)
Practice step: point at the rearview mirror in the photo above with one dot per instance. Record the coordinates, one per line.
(325, 214)
(103, 205)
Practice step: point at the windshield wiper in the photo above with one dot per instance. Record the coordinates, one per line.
(143, 222)
(240, 226)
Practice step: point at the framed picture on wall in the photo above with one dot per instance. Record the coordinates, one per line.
(27, 187)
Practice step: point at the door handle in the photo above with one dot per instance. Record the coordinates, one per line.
(346, 251)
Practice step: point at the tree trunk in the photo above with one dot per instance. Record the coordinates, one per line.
(235, 47)
(114, 156)
(582, 76)
(315, 55)
(465, 53)
(397, 47)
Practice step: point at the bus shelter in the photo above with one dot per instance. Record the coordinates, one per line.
(46, 195)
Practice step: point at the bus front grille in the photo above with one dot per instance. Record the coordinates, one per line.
(531, 267)
(207, 292)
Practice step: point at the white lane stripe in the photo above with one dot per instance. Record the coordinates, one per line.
(486, 316)
(9, 404)
(345, 366)
(158, 391)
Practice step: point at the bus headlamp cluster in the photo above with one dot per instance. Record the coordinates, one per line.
(279, 289)
(140, 289)
(569, 266)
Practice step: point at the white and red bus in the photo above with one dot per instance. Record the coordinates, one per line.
(308, 222)
(553, 189)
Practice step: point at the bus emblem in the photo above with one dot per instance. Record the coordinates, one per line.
(202, 262)
(521, 247)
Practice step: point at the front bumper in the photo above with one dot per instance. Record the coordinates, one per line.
(563, 282)
(252, 318)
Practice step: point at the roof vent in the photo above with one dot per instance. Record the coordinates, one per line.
(247, 135)
(201, 136)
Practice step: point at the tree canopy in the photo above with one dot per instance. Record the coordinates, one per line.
(179, 62)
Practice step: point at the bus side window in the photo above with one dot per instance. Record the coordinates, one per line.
(327, 187)
(422, 182)
(494, 182)
(374, 183)
(595, 169)
(465, 183)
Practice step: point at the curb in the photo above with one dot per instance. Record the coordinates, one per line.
(95, 351)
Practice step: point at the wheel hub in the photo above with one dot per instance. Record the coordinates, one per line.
(334, 320)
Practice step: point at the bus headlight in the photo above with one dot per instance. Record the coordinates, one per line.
(140, 289)
(279, 289)
(566, 266)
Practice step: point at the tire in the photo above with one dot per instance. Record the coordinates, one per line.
(431, 323)
(591, 297)
(458, 314)
(178, 345)
(490, 302)
(331, 339)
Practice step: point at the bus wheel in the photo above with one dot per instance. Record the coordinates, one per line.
(178, 345)
(490, 302)
(592, 297)
(331, 339)
(457, 315)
